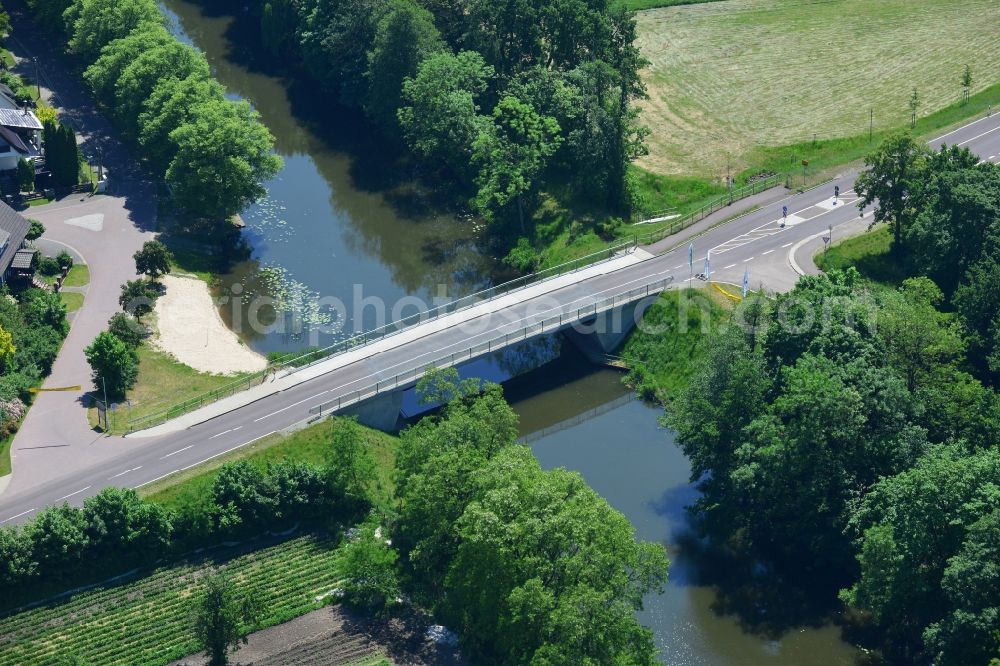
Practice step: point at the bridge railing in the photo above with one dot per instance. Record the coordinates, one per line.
(712, 206)
(546, 325)
(315, 356)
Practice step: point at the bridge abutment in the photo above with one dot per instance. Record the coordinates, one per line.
(381, 412)
(604, 334)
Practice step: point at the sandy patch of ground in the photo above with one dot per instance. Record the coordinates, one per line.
(191, 330)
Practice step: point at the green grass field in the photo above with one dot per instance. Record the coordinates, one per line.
(73, 300)
(78, 276)
(664, 352)
(869, 253)
(163, 382)
(727, 78)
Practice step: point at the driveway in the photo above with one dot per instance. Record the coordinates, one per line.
(104, 230)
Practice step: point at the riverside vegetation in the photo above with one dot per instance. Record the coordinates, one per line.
(468, 505)
(845, 435)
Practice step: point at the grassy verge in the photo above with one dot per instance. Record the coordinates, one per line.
(663, 353)
(827, 155)
(870, 254)
(73, 300)
(310, 444)
(163, 382)
(639, 5)
(676, 194)
(191, 262)
(5, 455)
(148, 620)
(78, 276)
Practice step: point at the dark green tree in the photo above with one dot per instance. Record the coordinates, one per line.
(510, 155)
(893, 173)
(35, 230)
(137, 298)
(440, 113)
(350, 469)
(153, 260)
(277, 27)
(335, 38)
(222, 618)
(172, 104)
(368, 566)
(92, 24)
(223, 156)
(104, 73)
(113, 363)
(122, 528)
(919, 531)
(127, 329)
(403, 38)
(26, 175)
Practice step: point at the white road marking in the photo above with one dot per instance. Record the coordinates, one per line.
(728, 267)
(146, 483)
(23, 513)
(768, 252)
(295, 404)
(786, 245)
(962, 143)
(73, 493)
(226, 432)
(958, 129)
(216, 455)
(682, 265)
(177, 451)
(124, 473)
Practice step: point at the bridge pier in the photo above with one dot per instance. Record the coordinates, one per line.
(380, 412)
(599, 336)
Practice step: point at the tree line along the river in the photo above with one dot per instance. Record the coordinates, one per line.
(846, 433)
(213, 152)
(503, 101)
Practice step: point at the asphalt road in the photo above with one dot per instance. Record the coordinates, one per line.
(756, 241)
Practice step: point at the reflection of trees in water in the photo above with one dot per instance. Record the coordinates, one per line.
(388, 215)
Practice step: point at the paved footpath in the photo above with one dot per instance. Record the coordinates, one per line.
(104, 230)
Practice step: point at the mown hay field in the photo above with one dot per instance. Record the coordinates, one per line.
(728, 76)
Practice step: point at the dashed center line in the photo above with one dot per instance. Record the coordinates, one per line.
(224, 432)
(73, 493)
(23, 513)
(177, 451)
(294, 404)
(125, 472)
